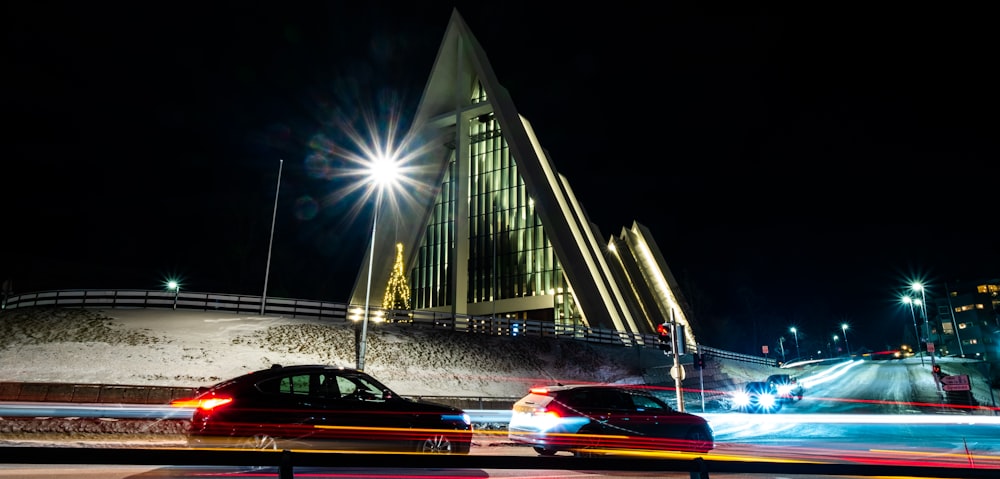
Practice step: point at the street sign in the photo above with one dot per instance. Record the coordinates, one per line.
(958, 382)
(676, 371)
(930, 347)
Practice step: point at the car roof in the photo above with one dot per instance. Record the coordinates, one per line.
(279, 370)
(568, 387)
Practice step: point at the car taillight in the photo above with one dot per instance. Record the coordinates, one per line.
(206, 404)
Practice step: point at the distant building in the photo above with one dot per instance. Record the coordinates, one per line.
(968, 319)
(499, 233)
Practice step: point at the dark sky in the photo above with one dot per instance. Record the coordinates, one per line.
(796, 167)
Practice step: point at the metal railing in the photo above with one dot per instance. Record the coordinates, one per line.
(342, 312)
(287, 461)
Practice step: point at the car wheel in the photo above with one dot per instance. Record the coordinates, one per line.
(592, 441)
(544, 451)
(698, 440)
(436, 444)
(259, 441)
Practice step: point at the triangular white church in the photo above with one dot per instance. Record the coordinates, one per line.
(500, 232)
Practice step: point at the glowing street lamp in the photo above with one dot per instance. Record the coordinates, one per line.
(916, 332)
(796, 333)
(383, 172)
(836, 344)
(847, 345)
(174, 286)
(917, 286)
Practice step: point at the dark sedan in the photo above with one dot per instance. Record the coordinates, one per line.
(590, 419)
(785, 387)
(324, 407)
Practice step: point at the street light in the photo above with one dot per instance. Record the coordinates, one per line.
(796, 333)
(176, 288)
(917, 286)
(270, 242)
(847, 345)
(836, 344)
(916, 332)
(383, 172)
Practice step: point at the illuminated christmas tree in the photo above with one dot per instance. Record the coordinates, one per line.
(397, 292)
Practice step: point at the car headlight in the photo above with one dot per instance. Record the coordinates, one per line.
(766, 400)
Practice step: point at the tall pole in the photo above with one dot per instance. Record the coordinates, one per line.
(368, 289)
(795, 332)
(496, 236)
(954, 324)
(927, 326)
(675, 348)
(270, 242)
(927, 323)
(916, 332)
(847, 344)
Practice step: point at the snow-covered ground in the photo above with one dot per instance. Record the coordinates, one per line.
(193, 348)
(155, 347)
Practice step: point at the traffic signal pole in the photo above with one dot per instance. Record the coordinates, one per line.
(678, 372)
(701, 376)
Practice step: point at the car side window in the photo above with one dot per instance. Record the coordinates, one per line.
(646, 403)
(297, 385)
(608, 399)
(346, 386)
(327, 386)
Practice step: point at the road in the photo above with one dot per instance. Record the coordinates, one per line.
(852, 413)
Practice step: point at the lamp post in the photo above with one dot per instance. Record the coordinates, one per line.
(954, 324)
(270, 242)
(176, 287)
(847, 345)
(383, 172)
(836, 344)
(916, 332)
(917, 286)
(795, 332)
(923, 307)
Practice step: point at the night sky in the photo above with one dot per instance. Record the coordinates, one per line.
(796, 167)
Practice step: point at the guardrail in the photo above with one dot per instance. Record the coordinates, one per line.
(338, 312)
(286, 461)
(746, 358)
(342, 312)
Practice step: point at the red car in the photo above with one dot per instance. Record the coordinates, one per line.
(589, 420)
(321, 407)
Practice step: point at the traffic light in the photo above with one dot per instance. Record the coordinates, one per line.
(696, 360)
(664, 337)
(681, 345)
